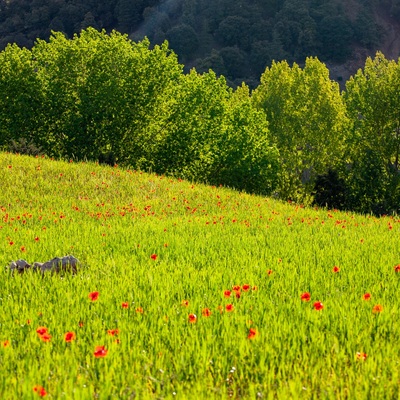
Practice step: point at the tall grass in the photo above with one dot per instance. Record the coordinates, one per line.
(171, 248)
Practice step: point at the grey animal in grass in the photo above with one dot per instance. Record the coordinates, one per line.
(64, 264)
(57, 264)
(19, 266)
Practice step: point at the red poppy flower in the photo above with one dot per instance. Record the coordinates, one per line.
(269, 272)
(46, 337)
(246, 287)
(41, 330)
(185, 303)
(366, 296)
(6, 343)
(192, 318)
(397, 268)
(361, 356)
(100, 351)
(335, 269)
(153, 257)
(139, 310)
(229, 307)
(227, 293)
(93, 296)
(113, 332)
(206, 312)
(81, 324)
(255, 288)
(318, 306)
(377, 308)
(69, 337)
(236, 288)
(252, 333)
(125, 305)
(305, 296)
(39, 390)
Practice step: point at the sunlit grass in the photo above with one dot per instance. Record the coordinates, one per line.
(153, 242)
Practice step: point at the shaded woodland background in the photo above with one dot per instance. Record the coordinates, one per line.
(237, 39)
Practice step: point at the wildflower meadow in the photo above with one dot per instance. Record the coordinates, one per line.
(188, 291)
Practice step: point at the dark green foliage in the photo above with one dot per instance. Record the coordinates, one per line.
(183, 40)
(234, 31)
(263, 30)
(330, 191)
(370, 185)
(22, 146)
(128, 14)
(336, 36)
(297, 30)
(367, 31)
(235, 62)
(214, 61)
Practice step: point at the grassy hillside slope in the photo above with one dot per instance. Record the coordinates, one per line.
(163, 255)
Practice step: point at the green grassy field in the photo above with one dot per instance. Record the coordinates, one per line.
(171, 250)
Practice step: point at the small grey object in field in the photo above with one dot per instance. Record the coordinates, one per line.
(20, 266)
(57, 264)
(64, 264)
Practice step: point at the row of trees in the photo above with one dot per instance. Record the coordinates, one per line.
(104, 97)
(341, 149)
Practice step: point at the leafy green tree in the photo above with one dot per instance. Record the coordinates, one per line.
(246, 158)
(307, 122)
(102, 92)
(213, 135)
(21, 97)
(194, 116)
(372, 99)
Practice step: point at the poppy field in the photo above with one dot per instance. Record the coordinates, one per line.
(188, 291)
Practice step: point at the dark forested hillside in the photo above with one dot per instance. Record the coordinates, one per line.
(237, 39)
